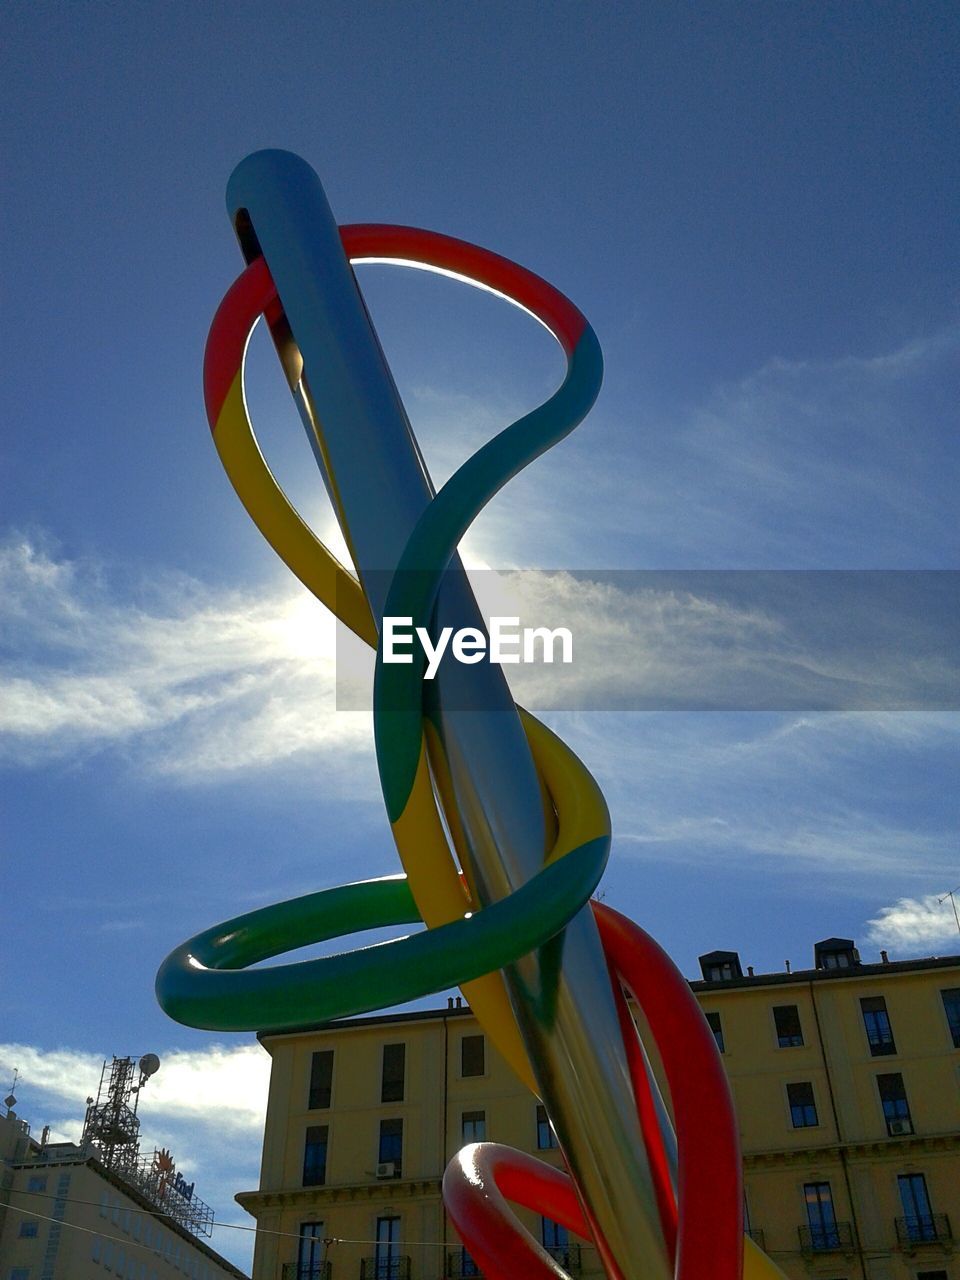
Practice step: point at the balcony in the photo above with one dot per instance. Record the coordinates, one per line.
(396, 1267)
(925, 1228)
(306, 1271)
(827, 1237)
(757, 1236)
(568, 1256)
(460, 1266)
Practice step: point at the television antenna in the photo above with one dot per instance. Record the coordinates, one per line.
(953, 902)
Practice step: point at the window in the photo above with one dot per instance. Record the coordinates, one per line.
(104, 1204)
(95, 1246)
(893, 1099)
(136, 1226)
(554, 1238)
(20, 1273)
(546, 1138)
(713, 1021)
(121, 1259)
(803, 1108)
(315, 1155)
(786, 1018)
(391, 1084)
(321, 1079)
(310, 1253)
(552, 1234)
(467, 1265)
(951, 1007)
(472, 1056)
(108, 1254)
(820, 1216)
(918, 1216)
(391, 1144)
(37, 1183)
(28, 1229)
(386, 1259)
(474, 1126)
(125, 1220)
(877, 1023)
(932, 1275)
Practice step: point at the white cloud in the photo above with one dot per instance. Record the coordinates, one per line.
(220, 1087)
(915, 923)
(194, 682)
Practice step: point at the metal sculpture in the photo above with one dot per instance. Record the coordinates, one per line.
(544, 968)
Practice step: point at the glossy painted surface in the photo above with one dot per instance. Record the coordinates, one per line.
(480, 774)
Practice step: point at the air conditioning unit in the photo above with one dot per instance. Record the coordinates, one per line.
(897, 1128)
(387, 1170)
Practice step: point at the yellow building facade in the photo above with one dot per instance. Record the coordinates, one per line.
(846, 1079)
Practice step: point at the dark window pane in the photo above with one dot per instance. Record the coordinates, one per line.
(321, 1079)
(394, 1060)
(386, 1253)
(546, 1138)
(472, 1056)
(391, 1143)
(877, 1024)
(467, 1265)
(951, 1007)
(553, 1235)
(820, 1215)
(713, 1020)
(315, 1156)
(786, 1018)
(474, 1126)
(803, 1108)
(893, 1099)
(918, 1215)
(310, 1252)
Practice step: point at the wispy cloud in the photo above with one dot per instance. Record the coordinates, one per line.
(830, 463)
(192, 682)
(913, 924)
(804, 799)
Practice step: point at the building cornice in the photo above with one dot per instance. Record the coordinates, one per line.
(867, 1148)
(799, 977)
(382, 1192)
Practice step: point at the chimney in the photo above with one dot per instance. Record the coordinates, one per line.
(787, 963)
(449, 1002)
(749, 970)
(884, 958)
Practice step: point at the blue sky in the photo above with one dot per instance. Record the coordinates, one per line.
(755, 207)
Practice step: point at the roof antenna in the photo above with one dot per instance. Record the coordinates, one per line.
(953, 902)
(10, 1101)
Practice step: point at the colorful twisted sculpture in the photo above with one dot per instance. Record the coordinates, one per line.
(507, 908)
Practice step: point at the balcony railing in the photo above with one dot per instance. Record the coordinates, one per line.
(924, 1228)
(460, 1266)
(396, 1267)
(568, 1255)
(306, 1271)
(757, 1236)
(827, 1237)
